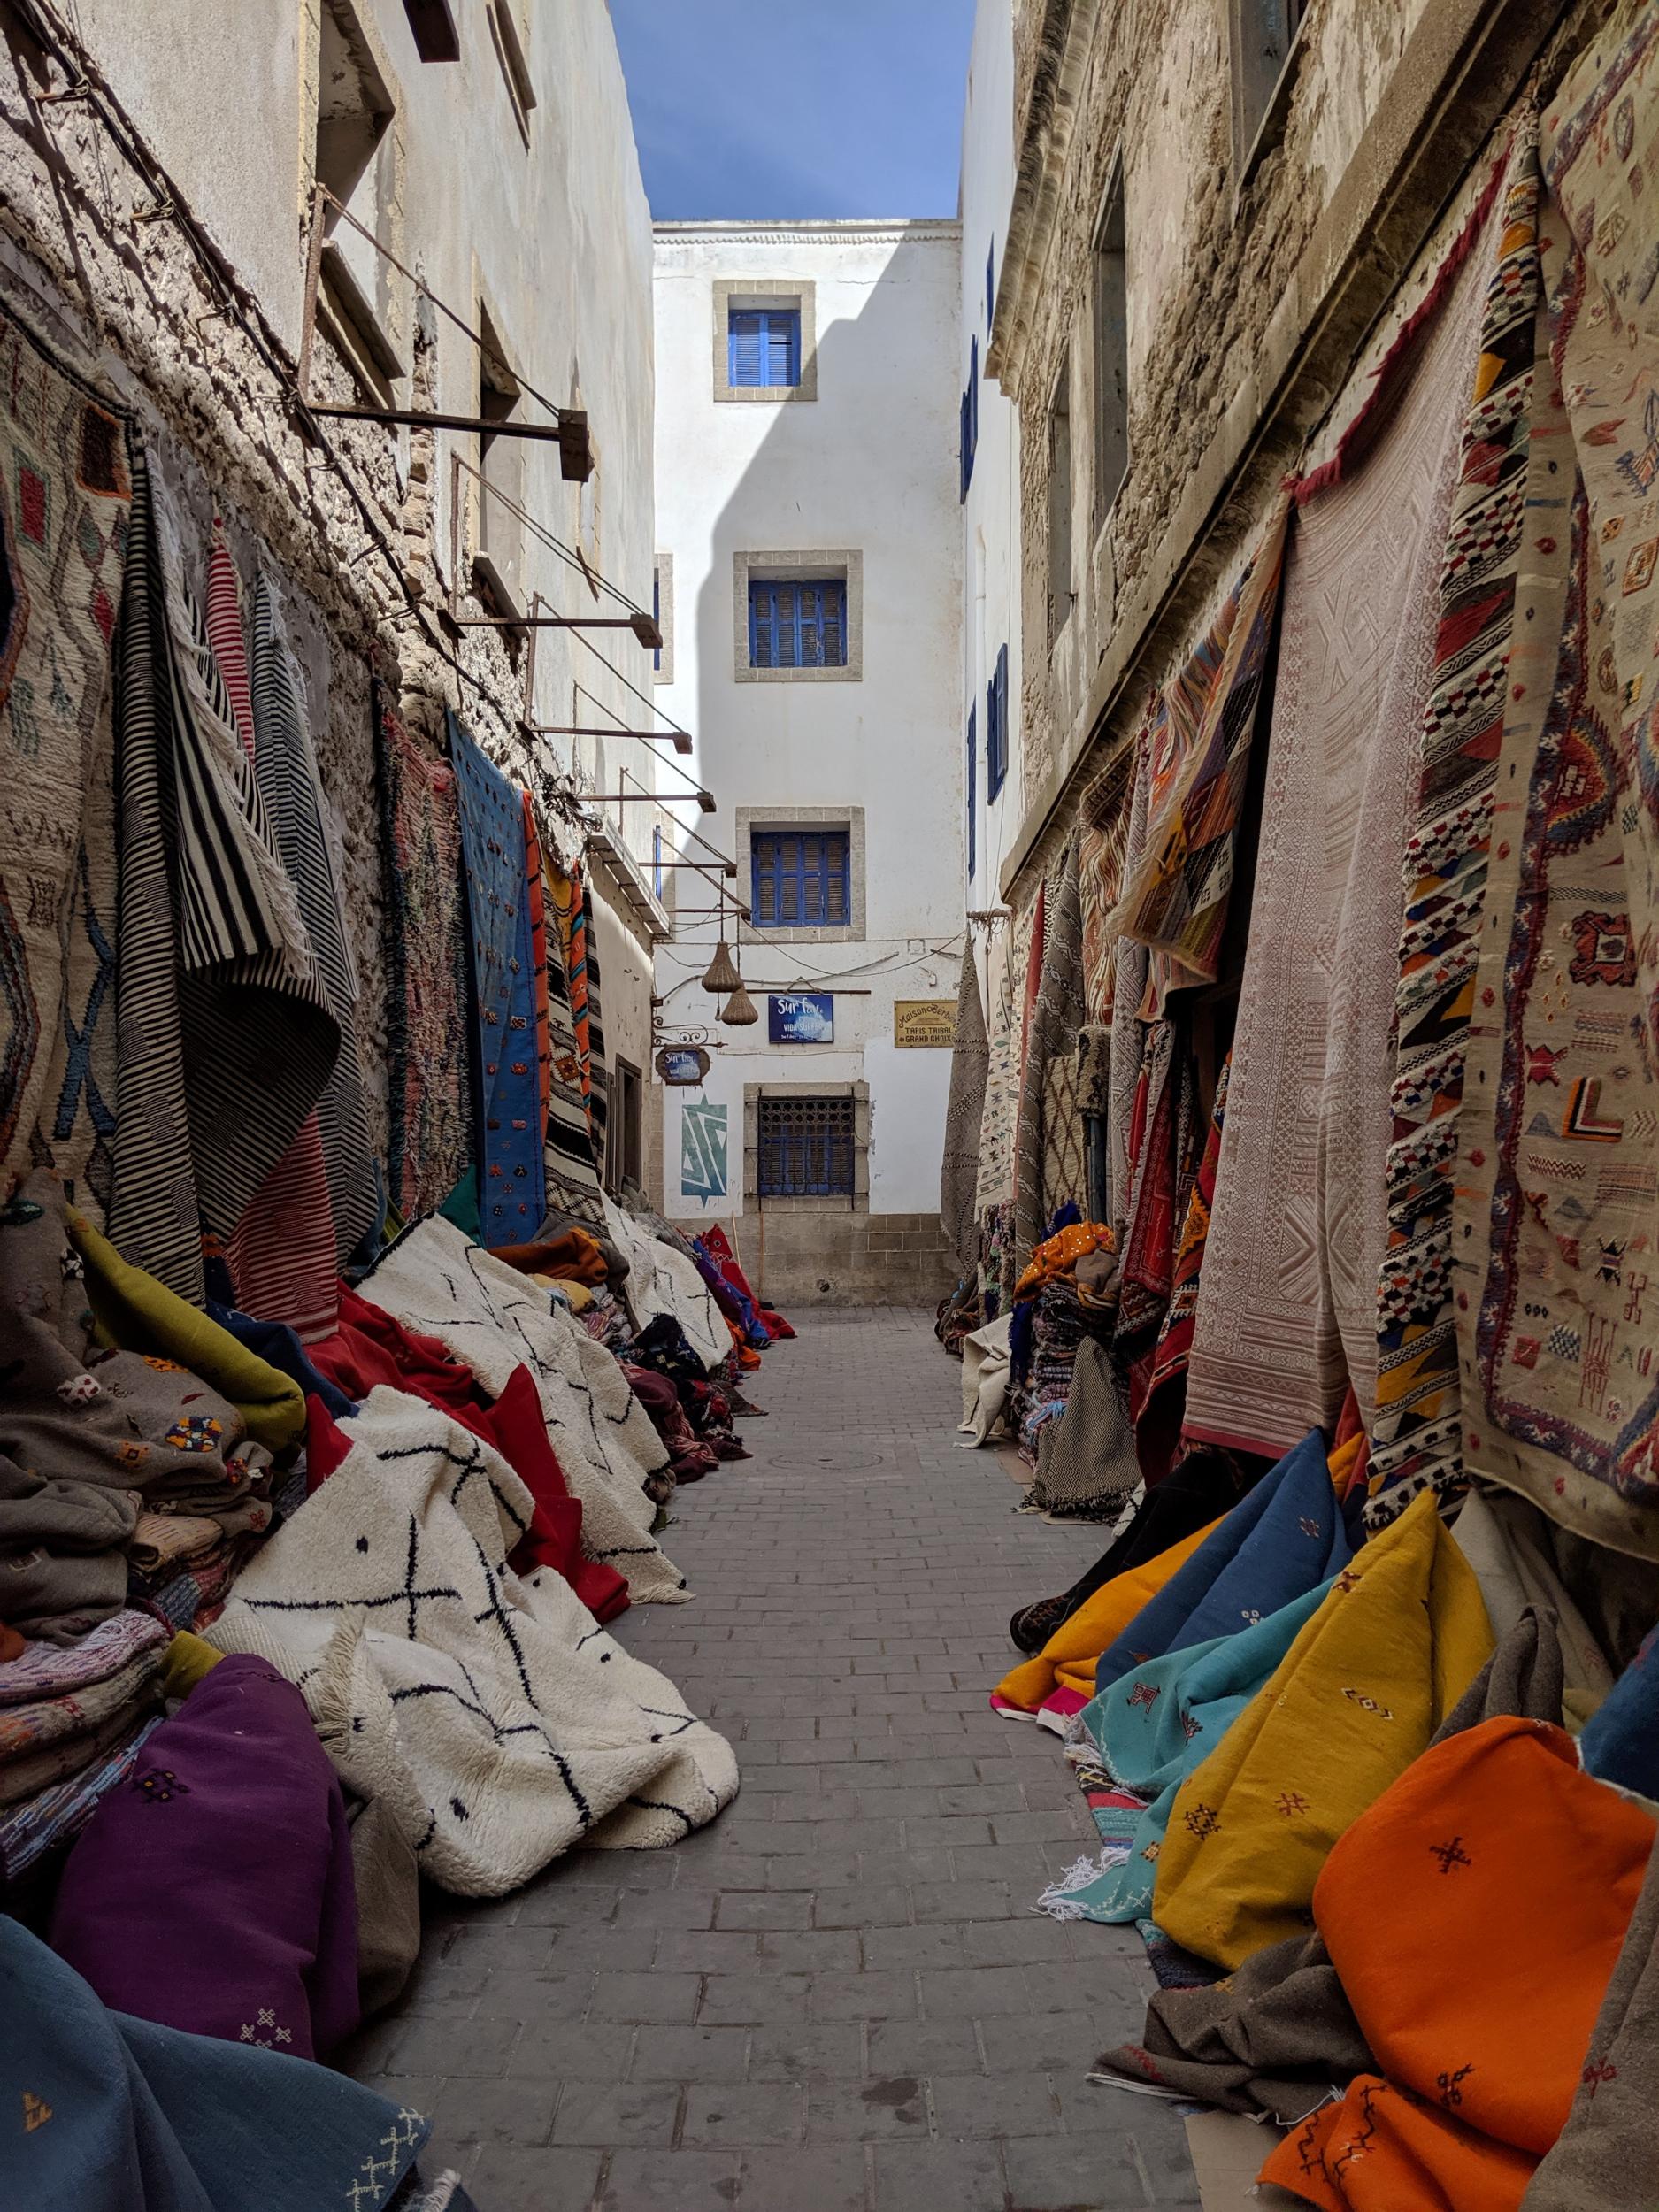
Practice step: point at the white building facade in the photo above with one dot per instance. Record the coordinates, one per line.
(991, 664)
(810, 587)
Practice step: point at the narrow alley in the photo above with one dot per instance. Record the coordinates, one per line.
(838, 1997)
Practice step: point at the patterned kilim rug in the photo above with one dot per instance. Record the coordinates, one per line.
(512, 1187)
(1287, 1303)
(1176, 900)
(153, 1214)
(281, 1252)
(259, 1038)
(62, 537)
(429, 1080)
(1558, 1191)
(996, 1185)
(572, 1174)
(1050, 1142)
(1417, 1437)
(286, 757)
(965, 1115)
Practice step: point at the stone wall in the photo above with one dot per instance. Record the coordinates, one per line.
(126, 272)
(1255, 278)
(794, 1261)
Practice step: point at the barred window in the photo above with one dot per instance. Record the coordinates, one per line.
(807, 1148)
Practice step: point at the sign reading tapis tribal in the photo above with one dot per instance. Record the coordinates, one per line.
(702, 1151)
(802, 1017)
(924, 1022)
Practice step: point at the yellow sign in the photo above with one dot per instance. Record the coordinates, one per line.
(925, 1021)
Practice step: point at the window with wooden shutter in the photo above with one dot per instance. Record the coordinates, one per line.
(996, 726)
(801, 879)
(764, 347)
(798, 624)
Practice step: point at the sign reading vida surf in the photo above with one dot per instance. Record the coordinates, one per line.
(801, 1018)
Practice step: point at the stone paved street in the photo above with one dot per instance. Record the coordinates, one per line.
(837, 1998)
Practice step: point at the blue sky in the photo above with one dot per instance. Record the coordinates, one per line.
(777, 109)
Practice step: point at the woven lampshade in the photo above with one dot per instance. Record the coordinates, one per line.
(739, 1009)
(722, 976)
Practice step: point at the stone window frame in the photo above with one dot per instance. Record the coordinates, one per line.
(740, 292)
(784, 817)
(662, 571)
(373, 334)
(858, 1091)
(845, 563)
(1258, 108)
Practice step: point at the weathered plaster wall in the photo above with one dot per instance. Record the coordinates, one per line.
(1224, 269)
(557, 233)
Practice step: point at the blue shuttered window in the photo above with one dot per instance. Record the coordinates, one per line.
(657, 862)
(806, 1148)
(762, 347)
(974, 748)
(968, 439)
(798, 625)
(997, 728)
(801, 879)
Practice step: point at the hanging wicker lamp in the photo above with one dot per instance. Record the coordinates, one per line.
(739, 1009)
(722, 975)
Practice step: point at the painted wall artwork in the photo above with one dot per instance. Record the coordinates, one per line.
(801, 1018)
(702, 1151)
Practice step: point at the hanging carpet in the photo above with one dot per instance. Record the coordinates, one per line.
(508, 1131)
(64, 518)
(1556, 1213)
(1416, 1441)
(1176, 898)
(965, 1117)
(1287, 1305)
(1050, 1163)
(428, 1083)
(571, 1167)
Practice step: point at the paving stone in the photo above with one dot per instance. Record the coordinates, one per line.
(509, 2180)
(965, 2176)
(923, 2046)
(766, 2112)
(609, 2113)
(884, 2108)
(819, 2178)
(1079, 2173)
(437, 2047)
(769, 1909)
(690, 2055)
(836, 1997)
(824, 2051)
(561, 2050)
(672, 1997)
(665, 2181)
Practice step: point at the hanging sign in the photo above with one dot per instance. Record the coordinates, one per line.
(925, 1022)
(802, 1017)
(682, 1064)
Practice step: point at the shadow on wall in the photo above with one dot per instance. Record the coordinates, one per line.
(828, 477)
